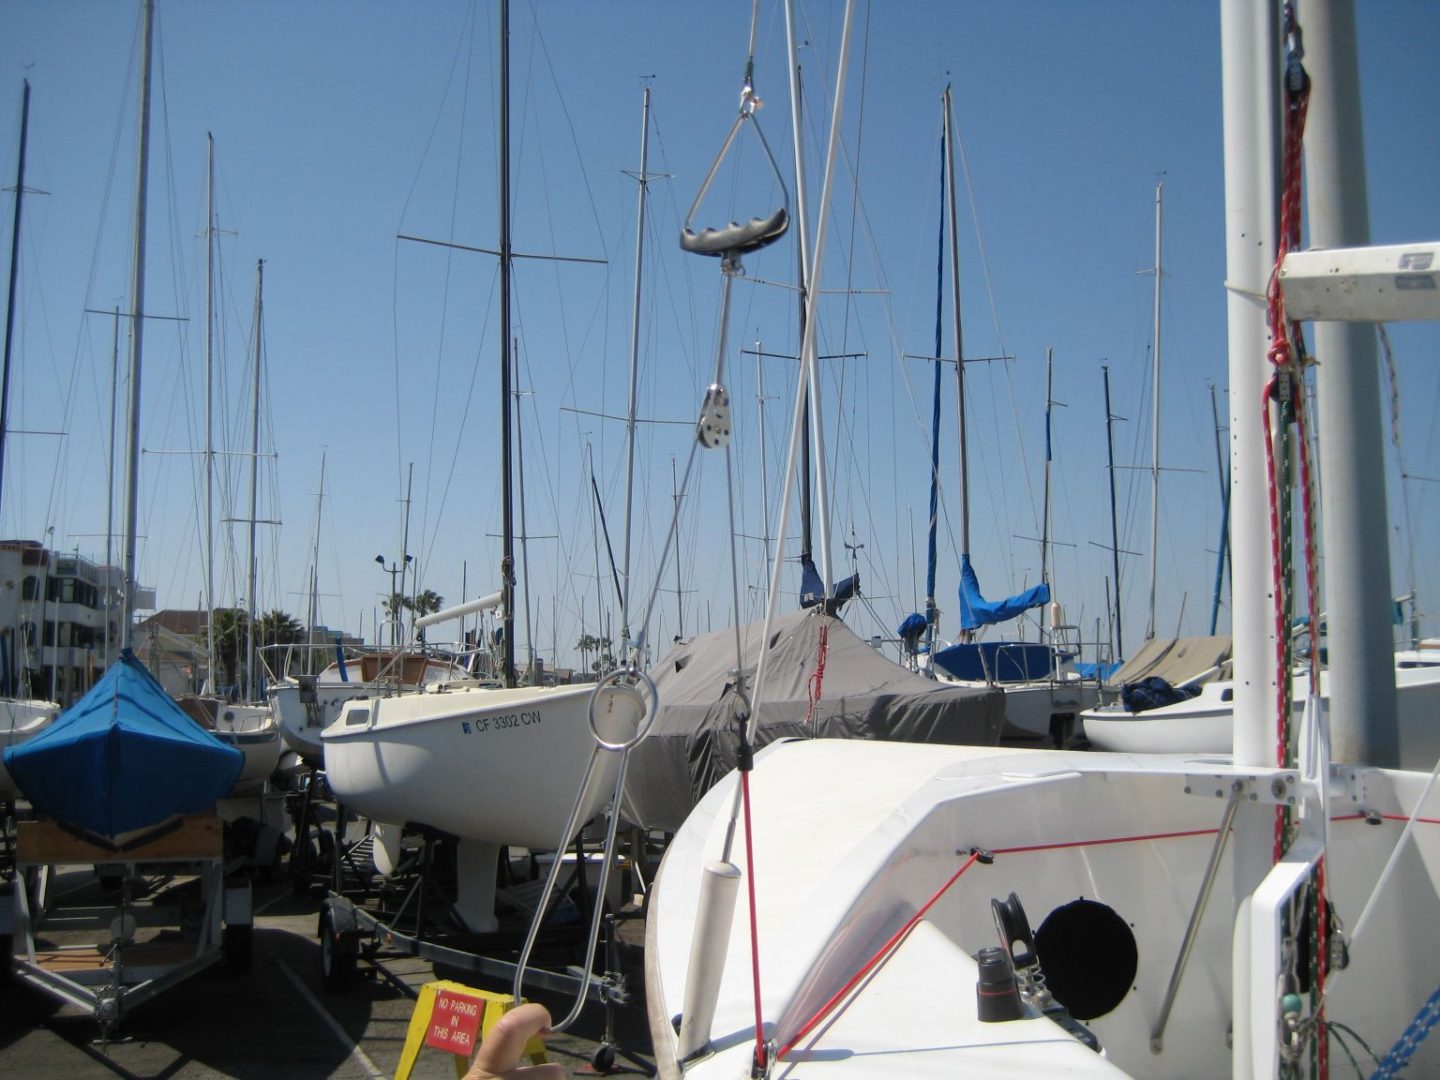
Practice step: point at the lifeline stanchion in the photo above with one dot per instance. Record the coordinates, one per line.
(619, 698)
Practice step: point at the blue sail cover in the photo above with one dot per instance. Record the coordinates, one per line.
(812, 589)
(976, 611)
(910, 630)
(997, 661)
(123, 757)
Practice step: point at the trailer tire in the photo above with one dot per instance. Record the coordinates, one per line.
(339, 954)
(237, 941)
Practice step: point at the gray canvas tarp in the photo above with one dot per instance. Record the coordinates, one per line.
(1176, 660)
(863, 695)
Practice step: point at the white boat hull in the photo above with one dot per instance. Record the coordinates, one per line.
(499, 766)
(1040, 711)
(20, 719)
(1203, 724)
(302, 720)
(853, 839)
(254, 730)
(1043, 711)
(305, 711)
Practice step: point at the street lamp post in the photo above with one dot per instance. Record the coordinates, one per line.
(396, 595)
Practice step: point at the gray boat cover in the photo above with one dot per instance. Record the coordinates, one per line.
(863, 695)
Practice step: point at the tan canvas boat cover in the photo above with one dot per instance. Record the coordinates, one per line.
(1176, 660)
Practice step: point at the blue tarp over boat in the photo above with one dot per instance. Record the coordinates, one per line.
(123, 757)
(976, 611)
(997, 661)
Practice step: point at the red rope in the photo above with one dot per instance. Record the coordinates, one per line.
(1106, 840)
(1388, 817)
(1285, 388)
(870, 964)
(817, 677)
(754, 931)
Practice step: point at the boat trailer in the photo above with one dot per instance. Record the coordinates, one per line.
(357, 925)
(152, 937)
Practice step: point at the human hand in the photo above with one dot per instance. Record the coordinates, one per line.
(503, 1049)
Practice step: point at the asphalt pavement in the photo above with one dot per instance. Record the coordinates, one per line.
(278, 1021)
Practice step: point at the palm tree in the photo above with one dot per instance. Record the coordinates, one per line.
(278, 628)
(587, 644)
(426, 603)
(232, 626)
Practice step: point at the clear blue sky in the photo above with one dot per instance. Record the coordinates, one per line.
(339, 126)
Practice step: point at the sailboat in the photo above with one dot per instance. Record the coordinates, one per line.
(21, 718)
(493, 767)
(125, 760)
(948, 911)
(1191, 709)
(1203, 722)
(1043, 691)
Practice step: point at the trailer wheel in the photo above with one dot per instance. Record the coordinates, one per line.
(339, 955)
(237, 941)
(603, 1060)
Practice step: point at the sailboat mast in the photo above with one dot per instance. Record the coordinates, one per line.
(1045, 503)
(110, 488)
(932, 609)
(1357, 587)
(1223, 559)
(209, 412)
(764, 467)
(1114, 522)
(405, 553)
(1155, 423)
(679, 596)
(507, 557)
(524, 529)
(14, 273)
(643, 180)
(137, 325)
(314, 613)
(254, 473)
(802, 220)
(950, 186)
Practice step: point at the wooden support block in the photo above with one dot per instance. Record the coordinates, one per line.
(197, 836)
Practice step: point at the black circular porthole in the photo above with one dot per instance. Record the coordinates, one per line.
(1088, 955)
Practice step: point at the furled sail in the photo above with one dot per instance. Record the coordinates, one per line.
(976, 611)
(812, 589)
